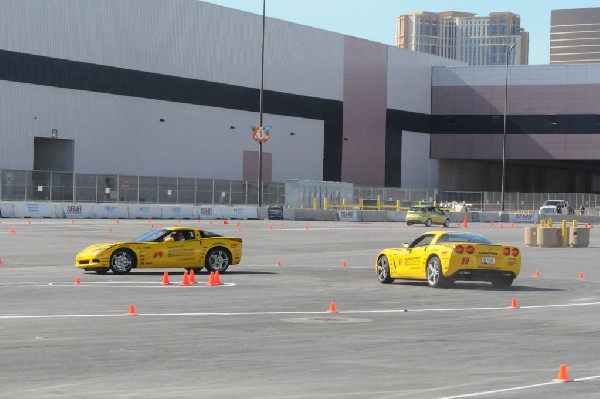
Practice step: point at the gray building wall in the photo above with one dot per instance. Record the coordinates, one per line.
(575, 36)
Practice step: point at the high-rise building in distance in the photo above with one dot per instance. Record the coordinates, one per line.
(465, 37)
(575, 36)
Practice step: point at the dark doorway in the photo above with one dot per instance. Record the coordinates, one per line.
(53, 154)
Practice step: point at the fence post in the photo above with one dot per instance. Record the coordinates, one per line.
(325, 203)
(344, 203)
(361, 203)
(378, 203)
(398, 205)
(314, 202)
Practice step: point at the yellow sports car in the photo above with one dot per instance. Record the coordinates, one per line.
(180, 247)
(442, 257)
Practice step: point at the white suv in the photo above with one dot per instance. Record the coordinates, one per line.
(550, 206)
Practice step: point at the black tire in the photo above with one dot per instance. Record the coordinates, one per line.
(502, 282)
(383, 270)
(122, 261)
(408, 224)
(428, 223)
(217, 259)
(435, 275)
(447, 222)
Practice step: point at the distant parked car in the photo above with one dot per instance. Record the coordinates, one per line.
(427, 215)
(549, 207)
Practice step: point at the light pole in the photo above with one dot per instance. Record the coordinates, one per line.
(507, 48)
(262, 81)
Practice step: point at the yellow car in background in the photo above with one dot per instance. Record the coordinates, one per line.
(171, 247)
(427, 215)
(443, 257)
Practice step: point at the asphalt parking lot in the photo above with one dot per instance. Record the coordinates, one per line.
(267, 332)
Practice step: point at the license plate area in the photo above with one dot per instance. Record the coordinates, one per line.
(488, 261)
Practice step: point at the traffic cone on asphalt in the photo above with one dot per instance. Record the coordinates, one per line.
(0, 261)
(278, 263)
(344, 264)
(465, 221)
(193, 277)
(217, 278)
(186, 279)
(332, 308)
(563, 374)
(165, 280)
(132, 311)
(514, 304)
(581, 275)
(537, 273)
(211, 279)
(225, 222)
(77, 281)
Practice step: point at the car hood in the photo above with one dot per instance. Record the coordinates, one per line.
(101, 247)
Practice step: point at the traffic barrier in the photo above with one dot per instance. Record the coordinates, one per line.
(145, 211)
(7, 210)
(178, 211)
(34, 210)
(239, 212)
(208, 212)
(110, 211)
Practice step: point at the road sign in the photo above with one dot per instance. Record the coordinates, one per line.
(261, 133)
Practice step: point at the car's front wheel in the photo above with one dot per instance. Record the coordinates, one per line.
(428, 223)
(122, 261)
(217, 260)
(435, 276)
(447, 222)
(383, 270)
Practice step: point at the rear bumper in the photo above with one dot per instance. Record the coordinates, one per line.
(481, 275)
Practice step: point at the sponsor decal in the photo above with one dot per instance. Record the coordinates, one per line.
(176, 210)
(180, 252)
(465, 260)
(158, 254)
(110, 209)
(33, 208)
(347, 214)
(206, 211)
(144, 209)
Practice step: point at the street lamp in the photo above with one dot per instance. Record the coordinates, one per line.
(262, 81)
(507, 48)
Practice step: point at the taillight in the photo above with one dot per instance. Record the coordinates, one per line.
(459, 249)
(506, 251)
(515, 252)
(470, 249)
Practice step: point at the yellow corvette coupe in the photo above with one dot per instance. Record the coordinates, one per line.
(169, 247)
(442, 257)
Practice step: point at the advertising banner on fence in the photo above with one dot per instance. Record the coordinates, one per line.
(348, 215)
(76, 211)
(521, 217)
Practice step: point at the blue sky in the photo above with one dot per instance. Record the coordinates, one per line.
(375, 19)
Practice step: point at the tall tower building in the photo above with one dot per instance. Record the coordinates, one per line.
(465, 37)
(575, 36)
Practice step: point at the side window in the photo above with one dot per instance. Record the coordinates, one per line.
(189, 235)
(422, 241)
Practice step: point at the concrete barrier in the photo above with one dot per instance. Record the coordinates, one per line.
(75, 211)
(110, 211)
(7, 210)
(145, 212)
(315, 214)
(239, 212)
(207, 212)
(178, 211)
(34, 210)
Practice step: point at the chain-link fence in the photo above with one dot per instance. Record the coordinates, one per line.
(23, 185)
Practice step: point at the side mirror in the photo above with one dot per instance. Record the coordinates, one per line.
(169, 239)
(404, 245)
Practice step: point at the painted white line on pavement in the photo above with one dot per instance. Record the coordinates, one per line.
(471, 395)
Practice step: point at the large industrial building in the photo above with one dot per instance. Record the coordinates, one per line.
(171, 88)
(575, 36)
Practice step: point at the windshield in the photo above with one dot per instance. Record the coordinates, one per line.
(551, 202)
(418, 209)
(153, 236)
(463, 237)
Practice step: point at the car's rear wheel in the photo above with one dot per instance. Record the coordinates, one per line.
(217, 260)
(383, 270)
(447, 222)
(122, 261)
(502, 282)
(409, 224)
(428, 223)
(435, 276)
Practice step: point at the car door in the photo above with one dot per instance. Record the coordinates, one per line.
(440, 217)
(415, 260)
(184, 252)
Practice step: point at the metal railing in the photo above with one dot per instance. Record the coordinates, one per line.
(27, 185)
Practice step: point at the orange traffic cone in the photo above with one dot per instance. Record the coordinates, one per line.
(225, 222)
(270, 228)
(217, 278)
(501, 226)
(166, 279)
(563, 374)
(344, 264)
(193, 277)
(581, 275)
(512, 225)
(118, 221)
(278, 263)
(12, 230)
(77, 281)
(186, 279)
(332, 308)
(69, 230)
(211, 279)
(28, 221)
(110, 229)
(465, 221)
(537, 273)
(514, 304)
(132, 311)
(0, 261)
